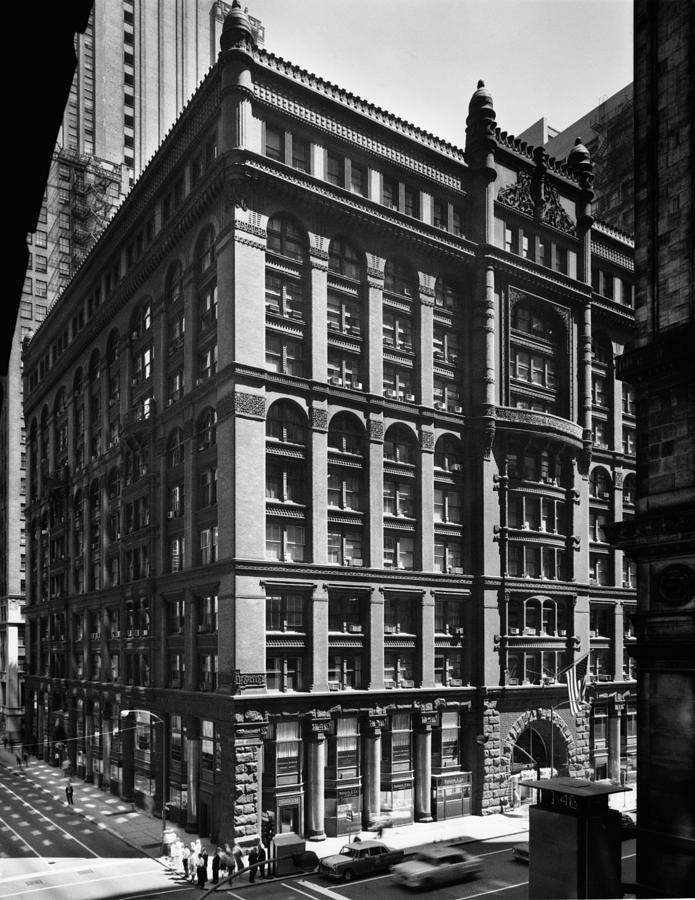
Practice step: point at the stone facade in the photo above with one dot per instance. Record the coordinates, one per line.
(322, 480)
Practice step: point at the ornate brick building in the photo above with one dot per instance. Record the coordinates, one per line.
(321, 476)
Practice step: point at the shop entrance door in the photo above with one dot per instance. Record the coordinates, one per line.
(289, 818)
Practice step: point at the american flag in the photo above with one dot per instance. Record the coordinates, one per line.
(575, 676)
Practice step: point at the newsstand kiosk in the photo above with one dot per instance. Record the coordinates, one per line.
(574, 840)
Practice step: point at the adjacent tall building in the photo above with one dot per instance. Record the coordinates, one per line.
(659, 364)
(137, 64)
(322, 441)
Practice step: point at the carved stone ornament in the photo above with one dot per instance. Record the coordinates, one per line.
(375, 428)
(426, 440)
(555, 214)
(251, 405)
(319, 418)
(518, 195)
(676, 584)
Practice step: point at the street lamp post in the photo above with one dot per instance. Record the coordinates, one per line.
(158, 721)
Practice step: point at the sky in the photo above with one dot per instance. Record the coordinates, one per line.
(421, 59)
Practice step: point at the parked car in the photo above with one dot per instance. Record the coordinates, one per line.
(435, 866)
(359, 858)
(628, 825)
(520, 852)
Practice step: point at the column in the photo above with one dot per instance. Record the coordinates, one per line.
(192, 769)
(106, 736)
(127, 726)
(318, 549)
(423, 768)
(319, 630)
(88, 747)
(371, 805)
(426, 673)
(375, 328)
(615, 711)
(375, 491)
(423, 390)
(375, 662)
(426, 499)
(318, 308)
(316, 766)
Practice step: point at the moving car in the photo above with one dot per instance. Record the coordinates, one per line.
(628, 825)
(359, 858)
(435, 866)
(520, 852)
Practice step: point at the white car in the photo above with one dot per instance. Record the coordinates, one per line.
(437, 865)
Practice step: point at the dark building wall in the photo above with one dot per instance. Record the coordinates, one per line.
(661, 537)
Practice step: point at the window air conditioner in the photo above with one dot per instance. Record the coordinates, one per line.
(439, 405)
(333, 685)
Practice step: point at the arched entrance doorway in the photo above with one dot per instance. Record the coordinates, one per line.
(540, 744)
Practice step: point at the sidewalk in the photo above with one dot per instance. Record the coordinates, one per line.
(144, 832)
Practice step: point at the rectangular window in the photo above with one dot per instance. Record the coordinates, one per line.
(335, 169)
(358, 179)
(300, 154)
(274, 143)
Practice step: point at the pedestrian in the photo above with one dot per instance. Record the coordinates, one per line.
(4, 741)
(238, 857)
(201, 870)
(261, 860)
(216, 861)
(204, 854)
(253, 859)
(25, 759)
(19, 760)
(69, 793)
(185, 859)
(194, 855)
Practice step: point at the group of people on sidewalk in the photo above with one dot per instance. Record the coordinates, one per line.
(21, 756)
(193, 861)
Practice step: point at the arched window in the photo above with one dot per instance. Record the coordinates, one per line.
(286, 423)
(205, 250)
(600, 484)
(207, 429)
(346, 358)
(175, 448)
(447, 454)
(285, 238)
(346, 434)
(285, 298)
(343, 259)
(399, 278)
(141, 320)
(286, 483)
(629, 490)
(400, 445)
(400, 499)
(77, 382)
(536, 373)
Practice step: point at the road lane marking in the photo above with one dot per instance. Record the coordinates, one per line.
(80, 884)
(19, 836)
(304, 893)
(497, 890)
(327, 892)
(62, 870)
(51, 823)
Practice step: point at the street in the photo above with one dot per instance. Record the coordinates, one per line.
(502, 877)
(50, 852)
